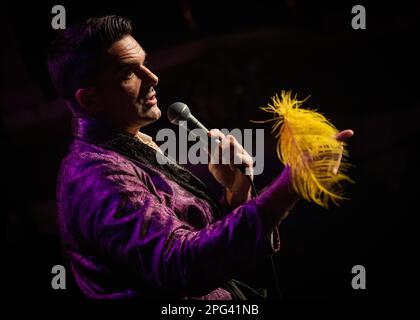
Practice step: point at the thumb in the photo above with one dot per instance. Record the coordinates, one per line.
(344, 135)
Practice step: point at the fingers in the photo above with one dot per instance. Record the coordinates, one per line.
(248, 162)
(337, 165)
(219, 152)
(230, 151)
(341, 136)
(246, 159)
(216, 133)
(344, 135)
(324, 152)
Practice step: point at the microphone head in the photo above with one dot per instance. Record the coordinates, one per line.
(178, 111)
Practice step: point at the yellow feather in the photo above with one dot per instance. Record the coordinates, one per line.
(307, 144)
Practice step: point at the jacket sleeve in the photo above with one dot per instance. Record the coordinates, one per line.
(122, 218)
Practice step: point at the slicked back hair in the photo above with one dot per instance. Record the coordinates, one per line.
(75, 54)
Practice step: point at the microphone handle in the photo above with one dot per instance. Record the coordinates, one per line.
(199, 125)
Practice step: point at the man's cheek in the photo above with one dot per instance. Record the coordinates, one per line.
(130, 92)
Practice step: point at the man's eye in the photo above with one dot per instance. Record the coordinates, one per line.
(128, 75)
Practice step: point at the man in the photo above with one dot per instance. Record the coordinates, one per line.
(135, 228)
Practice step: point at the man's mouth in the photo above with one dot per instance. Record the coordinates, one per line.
(150, 99)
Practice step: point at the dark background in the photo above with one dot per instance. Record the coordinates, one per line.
(225, 60)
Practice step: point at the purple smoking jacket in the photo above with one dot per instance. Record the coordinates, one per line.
(131, 232)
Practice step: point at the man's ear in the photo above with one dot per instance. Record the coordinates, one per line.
(86, 99)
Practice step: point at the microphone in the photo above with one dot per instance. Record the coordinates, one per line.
(179, 111)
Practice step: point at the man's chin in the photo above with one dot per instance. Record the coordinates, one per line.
(151, 115)
(155, 112)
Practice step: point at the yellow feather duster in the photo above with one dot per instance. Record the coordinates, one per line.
(307, 144)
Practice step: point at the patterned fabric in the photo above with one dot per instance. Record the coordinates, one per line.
(147, 140)
(132, 232)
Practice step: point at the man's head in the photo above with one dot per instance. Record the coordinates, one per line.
(99, 68)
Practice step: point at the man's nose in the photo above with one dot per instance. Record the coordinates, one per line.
(150, 77)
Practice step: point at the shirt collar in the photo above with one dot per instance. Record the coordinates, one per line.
(95, 131)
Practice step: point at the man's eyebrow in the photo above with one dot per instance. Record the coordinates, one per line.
(128, 64)
(131, 63)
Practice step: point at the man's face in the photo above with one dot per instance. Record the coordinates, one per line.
(125, 90)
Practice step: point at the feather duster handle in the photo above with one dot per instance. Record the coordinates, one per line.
(307, 144)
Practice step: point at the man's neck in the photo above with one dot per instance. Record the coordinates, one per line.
(123, 128)
(132, 130)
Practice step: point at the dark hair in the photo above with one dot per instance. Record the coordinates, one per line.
(75, 54)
